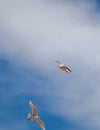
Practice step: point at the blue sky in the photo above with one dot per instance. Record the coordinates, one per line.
(32, 35)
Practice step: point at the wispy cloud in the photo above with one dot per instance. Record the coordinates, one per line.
(34, 33)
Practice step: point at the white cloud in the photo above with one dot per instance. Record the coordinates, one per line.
(37, 32)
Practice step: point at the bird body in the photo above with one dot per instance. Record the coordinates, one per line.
(63, 67)
(34, 115)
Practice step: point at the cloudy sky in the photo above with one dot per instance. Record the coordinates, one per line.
(34, 33)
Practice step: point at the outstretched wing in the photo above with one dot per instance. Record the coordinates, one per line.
(34, 109)
(40, 123)
(65, 68)
(57, 61)
(68, 69)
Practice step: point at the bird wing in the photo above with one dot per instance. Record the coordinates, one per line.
(57, 62)
(68, 69)
(65, 67)
(34, 109)
(41, 123)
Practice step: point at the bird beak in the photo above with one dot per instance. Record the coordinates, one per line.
(28, 119)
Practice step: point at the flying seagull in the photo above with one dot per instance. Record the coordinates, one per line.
(63, 67)
(34, 115)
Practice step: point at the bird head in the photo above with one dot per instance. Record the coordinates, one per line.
(28, 117)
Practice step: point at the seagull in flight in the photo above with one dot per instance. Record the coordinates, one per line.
(34, 115)
(63, 67)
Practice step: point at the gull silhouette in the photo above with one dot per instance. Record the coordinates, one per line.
(34, 115)
(63, 67)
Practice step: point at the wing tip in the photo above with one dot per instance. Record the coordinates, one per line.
(30, 102)
(70, 71)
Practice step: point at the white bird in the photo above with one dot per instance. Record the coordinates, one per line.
(34, 115)
(63, 67)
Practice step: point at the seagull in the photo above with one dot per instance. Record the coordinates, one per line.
(34, 115)
(63, 67)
